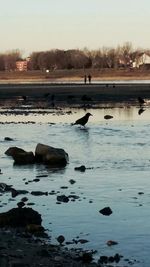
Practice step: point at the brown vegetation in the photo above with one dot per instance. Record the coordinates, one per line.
(75, 75)
(75, 59)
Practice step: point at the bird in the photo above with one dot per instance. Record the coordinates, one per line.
(82, 121)
(141, 100)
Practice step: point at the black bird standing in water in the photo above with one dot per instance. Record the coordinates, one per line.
(82, 121)
(141, 101)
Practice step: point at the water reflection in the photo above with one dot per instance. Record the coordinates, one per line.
(82, 134)
(71, 115)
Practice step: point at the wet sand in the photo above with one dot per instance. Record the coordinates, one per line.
(70, 94)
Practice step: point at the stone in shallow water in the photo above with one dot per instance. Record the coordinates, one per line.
(13, 150)
(50, 155)
(81, 168)
(108, 117)
(106, 211)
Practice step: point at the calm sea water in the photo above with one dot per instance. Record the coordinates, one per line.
(117, 153)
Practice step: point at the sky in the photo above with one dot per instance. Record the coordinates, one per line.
(40, 25)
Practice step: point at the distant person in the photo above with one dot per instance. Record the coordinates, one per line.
(85, 79)
(89, 77)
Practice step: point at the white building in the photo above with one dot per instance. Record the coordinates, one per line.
(143, 59)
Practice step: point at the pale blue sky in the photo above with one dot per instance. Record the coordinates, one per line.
(35, 25)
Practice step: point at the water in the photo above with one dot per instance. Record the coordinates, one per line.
(117, 153)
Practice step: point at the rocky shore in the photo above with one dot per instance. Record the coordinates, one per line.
(21, 249)
(24, 243)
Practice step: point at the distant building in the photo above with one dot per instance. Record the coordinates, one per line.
(22, 65)
(142, 60)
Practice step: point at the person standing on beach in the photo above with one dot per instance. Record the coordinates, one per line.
(85, 79)
(89, 77)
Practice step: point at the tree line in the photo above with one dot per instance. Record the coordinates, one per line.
(122, 56)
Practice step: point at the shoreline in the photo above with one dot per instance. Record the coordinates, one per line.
(21, 249)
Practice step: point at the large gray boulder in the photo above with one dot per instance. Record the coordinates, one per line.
(49, 155)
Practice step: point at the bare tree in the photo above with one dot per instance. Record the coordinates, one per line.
(2, 62)
(10, 60)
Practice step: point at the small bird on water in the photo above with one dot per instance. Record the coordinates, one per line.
(82, 121)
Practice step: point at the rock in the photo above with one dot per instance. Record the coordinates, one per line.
(111, 243)
(50, 155)
(108, 117)
(140, 193)
(8, 139)
(24, 199)
(117, 257)
(82, 168)
(60, 239)
(73, 197)
(103, 259)
(71, 181)
(63, 198)
(36, 180)
(86, 257)
(44, 253)
(34, 228)
(106, 211)
(24, 158)
(17, 217)
(20, 156)
(30, 204)
(82, 241)
(59, 259)
(13, 151)
(42, 175)
(39, 193)
(5, 188)
(20, 204)
(15, 192)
